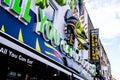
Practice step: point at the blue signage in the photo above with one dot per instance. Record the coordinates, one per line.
(27, 35)
(46, 40)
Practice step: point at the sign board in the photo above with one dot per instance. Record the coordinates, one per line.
(4, 50)
(94, 44)
(26, 23)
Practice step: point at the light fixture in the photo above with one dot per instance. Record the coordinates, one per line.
(55, 74)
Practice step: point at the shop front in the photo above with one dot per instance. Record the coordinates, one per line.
(16, 65)
(33, 45)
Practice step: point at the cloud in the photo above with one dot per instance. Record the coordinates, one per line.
(105, 15)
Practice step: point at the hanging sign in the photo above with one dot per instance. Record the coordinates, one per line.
(94, 44)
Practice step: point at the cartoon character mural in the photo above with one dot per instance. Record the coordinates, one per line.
(74, 29)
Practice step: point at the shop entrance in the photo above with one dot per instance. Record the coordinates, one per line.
(13, 68)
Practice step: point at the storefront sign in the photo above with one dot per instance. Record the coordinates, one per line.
(14, 8)
(14, 54)
(71, 52)
(48, 31)
(67, 49)
(94, 45)
(45, 34)
(88, 66)
(21, 32)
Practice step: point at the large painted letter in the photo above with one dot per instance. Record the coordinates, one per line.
(15, 7)
(43, 20)
(6, 2)
(26, 15)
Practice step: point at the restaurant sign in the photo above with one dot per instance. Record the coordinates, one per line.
(15, 54)
(94, 44)
(39, 35)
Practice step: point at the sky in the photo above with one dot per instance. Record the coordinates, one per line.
(105, 15)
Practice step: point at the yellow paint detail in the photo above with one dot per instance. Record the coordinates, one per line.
(3, 29)
(37, 46)
(48, 45)
(20, 37)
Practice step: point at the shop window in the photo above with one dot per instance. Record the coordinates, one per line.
(54, 74)
(16, 69)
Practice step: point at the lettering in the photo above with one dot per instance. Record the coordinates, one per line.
(56, 37)
(68, 50)
(15, 7)
(12, 54)
(43, 19)
(26, 15)
(22, 58)
(6, 2)
(48, 31)
(94, 45)
(94, 70)
(29, 61)
(86, 74)
(3, 50)
(63, 46)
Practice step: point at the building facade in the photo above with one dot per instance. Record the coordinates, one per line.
(48, 40)
(44, 40)
(103, 66)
